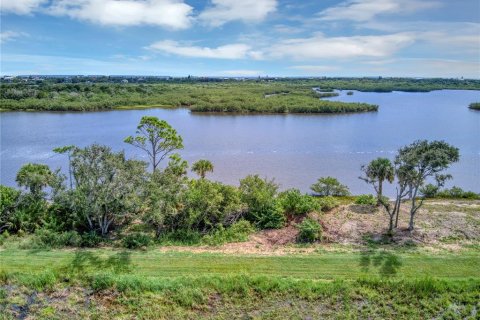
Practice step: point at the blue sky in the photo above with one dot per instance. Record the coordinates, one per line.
(418, 38)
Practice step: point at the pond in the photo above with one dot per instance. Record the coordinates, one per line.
(293, 149)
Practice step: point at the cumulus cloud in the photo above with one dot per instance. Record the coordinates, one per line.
(230, 51)
(223, 11)
(319, 47)
(11, 35)
(173, 14)
(20, 6)
(364, 10)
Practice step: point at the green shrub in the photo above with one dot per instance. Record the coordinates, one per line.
(136, 240)
(90, 240)
(366, 199)
(181, 237)
(293, 202)
(430, 191)
(329, 186)
(457, 193)
(44, 238)
(309, 230)
(328, 203)
(237, 232)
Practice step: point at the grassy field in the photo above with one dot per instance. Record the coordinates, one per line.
(111, 284)
(151, 263)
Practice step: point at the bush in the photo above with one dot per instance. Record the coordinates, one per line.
(90, 240)
(329, 186)
(310, 230)
(237, 232)
(293, 202)
(430, 191)
(457, 193)
(136, 240)
(181, 237)
(51, 239)
(264, 210)
(328, 203)
(366, 199)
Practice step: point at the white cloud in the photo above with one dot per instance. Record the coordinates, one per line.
(320, 47)
(11, 35)
(20, 6)
(230, 51)
(364, 10)
(173, 14)
(223, 11)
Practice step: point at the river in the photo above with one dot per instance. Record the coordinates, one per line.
(293, 149)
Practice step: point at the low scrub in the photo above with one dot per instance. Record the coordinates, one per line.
(366, 199)
(328, 203)
(237, 232)
(310, 230)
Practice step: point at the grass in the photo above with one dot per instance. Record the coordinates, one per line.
(379, 262)
(113, 284)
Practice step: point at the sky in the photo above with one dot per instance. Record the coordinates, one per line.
(412, 38)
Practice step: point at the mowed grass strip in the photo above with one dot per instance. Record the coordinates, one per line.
(327, 266)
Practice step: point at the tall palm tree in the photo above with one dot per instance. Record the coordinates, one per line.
(378, 171)
(201, 167)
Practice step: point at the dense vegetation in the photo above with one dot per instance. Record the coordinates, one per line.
(474, 105)
(242, 97)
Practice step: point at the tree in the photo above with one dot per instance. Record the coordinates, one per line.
(164, 193)
(157, 138)
(329, 186)
(201, 167)
(260, 196)
(378, 171)
(68, 150)
(108, 187)
(34, 177)
(422, 160)
(8, 203)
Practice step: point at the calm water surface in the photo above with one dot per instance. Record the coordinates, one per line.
(295, 149)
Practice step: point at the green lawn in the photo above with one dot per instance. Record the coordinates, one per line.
(314, 266)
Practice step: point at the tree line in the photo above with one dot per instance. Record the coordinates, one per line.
(105, 192)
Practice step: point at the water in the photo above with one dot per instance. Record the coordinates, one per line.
(295, 149)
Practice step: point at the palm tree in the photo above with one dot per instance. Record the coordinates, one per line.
(378, 171)
(201, 167)
(34, 177)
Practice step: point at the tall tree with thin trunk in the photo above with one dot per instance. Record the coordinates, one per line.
(420, 161)
(68, 150)
(201, 167)
(378, 171)
(157, 138)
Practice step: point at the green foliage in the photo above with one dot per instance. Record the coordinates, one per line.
(328, 203)
(378, 171)
(44, 238)
(107, 187)
(157, 138)
(136, 240)
(264, 210)
(201, 167)
(237, 232)
(366, 199)
(91, 240)
(8, 203)
(295, 203)
(310, 230)
(329, 186)
(180, 237)
(474, 106)
(457, 193)
(429, 190)
(34, 177)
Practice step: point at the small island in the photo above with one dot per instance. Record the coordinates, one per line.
(474, 106)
